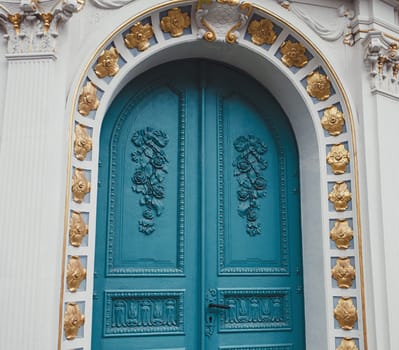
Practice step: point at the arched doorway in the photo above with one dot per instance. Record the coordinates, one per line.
(198, 241)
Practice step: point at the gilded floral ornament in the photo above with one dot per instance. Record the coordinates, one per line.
(262, 32)
(77, 229)
(294, 54)
(139, 36)
(80, 186)
(333, 121)
(88, 100)
(175, 22)
(345, 313)
(340, 196)
(73, 320)
(341, 234)
(107, 63)
(347, 344)
(318, 86)
(75, 273)
(338, 159)
(83, 143)
(343, 272)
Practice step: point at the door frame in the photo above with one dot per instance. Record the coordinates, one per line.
(317, 181)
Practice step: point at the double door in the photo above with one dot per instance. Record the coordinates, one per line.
(198, 230)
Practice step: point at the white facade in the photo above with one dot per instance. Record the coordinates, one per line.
(42, 74)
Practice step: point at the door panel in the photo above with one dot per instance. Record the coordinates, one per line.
(198, 233)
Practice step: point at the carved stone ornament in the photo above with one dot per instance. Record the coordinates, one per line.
(222, 19)
(80, 186)
(333, 121)
(347, 344)
(338, 159)
(107, 63)
(345, 313)
(76, 273)
(77, 229)
(139, 36)
(343, 272)
(175, 22)
(88, 100)
(31, 28)
(73, 320)
(341, 234)
(83, 143)
(262, 32)
(318, 86)
(340, 196)
(293, 54)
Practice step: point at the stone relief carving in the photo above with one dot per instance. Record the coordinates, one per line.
(175, 22)
(80, 186)
(318, 86)
(32, 27)
(338, 159)
(262, 32)
(83, 143)
(88, 100)
(345, 313)
(76, 273)
(293, 54)
(340, 196)
(341, 234)
(77, 229)
(139, 36)
(73, 320)
(343, 272)
(107, 63)
(333, 121)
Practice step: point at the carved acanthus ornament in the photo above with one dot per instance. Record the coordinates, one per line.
(293, 54)
(139, 36)
(88, 100)
(333, 121)
(338, 159)
(77, 229)
(318, 86)
(340, 196)
(32, 27)
(341, 234)
(175, 22)
(347, 344)
(222, 19)
(107, 63)
(83, 143)
(80, 186)
(343, 272)
(345, 313)
(76, 273)
(73, 320)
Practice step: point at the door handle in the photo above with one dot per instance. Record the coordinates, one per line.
(218, 306)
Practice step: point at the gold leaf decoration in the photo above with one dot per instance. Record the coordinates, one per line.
(343, 272)
(73, 320)
(262, 32)
(341, 234)
(333, 121)
(345, 313)
(347, 344)
(83, 143)
(228, 2)
(175, 22)
(77, 229)
(88, 100)
(340, 196)
(80, 186)
(338, 159)
(139, 36)
(293, 54)
(107, 63)
(318, 86)
(75, 273)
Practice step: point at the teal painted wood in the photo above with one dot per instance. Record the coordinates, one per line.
(198, 204)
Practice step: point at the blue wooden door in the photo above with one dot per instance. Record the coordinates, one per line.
(198, 231)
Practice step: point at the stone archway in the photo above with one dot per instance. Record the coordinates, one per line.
(319, 111)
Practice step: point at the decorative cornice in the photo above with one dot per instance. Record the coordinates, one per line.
(382, 58)
(31, 27)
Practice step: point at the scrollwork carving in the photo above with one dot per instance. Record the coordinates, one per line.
(293, 54)
(107, 63)
(318, 86)
(343, 272)
(80, 186)
(77, 229)
(248, 168)
(347, 344)
(345, 313)
(76, 273)
(73, 320)
(340, 196)
(175, 22)
(341, 234)
(88, 100)
(150, 174)
(338, 159)
(262, 32)
(139, 36)
(333, 121)
(83, 143)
